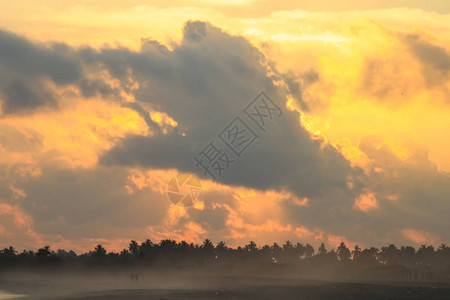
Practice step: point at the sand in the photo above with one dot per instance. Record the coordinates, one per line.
(100, 286)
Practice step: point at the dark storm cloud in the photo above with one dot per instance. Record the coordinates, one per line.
(20, 95)
(20, 56)
(203, 84)
(25, 68)
(164, 151)
(91, 88)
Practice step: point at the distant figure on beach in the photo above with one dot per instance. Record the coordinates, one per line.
(134, 277)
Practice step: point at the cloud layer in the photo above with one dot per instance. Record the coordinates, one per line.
(90, 136)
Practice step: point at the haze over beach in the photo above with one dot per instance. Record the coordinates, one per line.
(224, 149)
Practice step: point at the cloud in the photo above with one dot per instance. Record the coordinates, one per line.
(31, 73)
(434, 59)
(19, 139)
(366, 202)
(64, 200)
(205, 82)
(428, 53)
(387, 76)
(16, 225)
(210, 72)
(400, 191)
(31, 60)
(146, 113)
(418, 237)
(24, 69)
(298, 83)
(77, 208)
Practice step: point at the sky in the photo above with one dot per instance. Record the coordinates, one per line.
(102, 105)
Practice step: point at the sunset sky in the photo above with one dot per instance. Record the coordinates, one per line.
(101, 105)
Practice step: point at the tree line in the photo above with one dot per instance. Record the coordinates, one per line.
(182, 254)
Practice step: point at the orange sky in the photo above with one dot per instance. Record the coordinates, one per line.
(380, 97)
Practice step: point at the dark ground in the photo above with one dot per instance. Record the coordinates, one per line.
(325, 291)
(182, 286)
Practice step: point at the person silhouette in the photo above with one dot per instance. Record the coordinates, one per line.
(134, 277)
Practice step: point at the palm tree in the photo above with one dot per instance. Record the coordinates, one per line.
(146, 249)
(252, 250)
(300, 250)
(44, 252)
(389, 254)
(343, 252)
(290, 253)
(207, 250)
(425, 254)
(133, 248)
(8, 252)
(221, 250)
(277, 252)
(309, 251)
(99, 251)
(356, 253)
(322, 250)
(407, 255)
(266, 253)
(368, 255)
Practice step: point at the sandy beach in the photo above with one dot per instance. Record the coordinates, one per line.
(171, 286)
